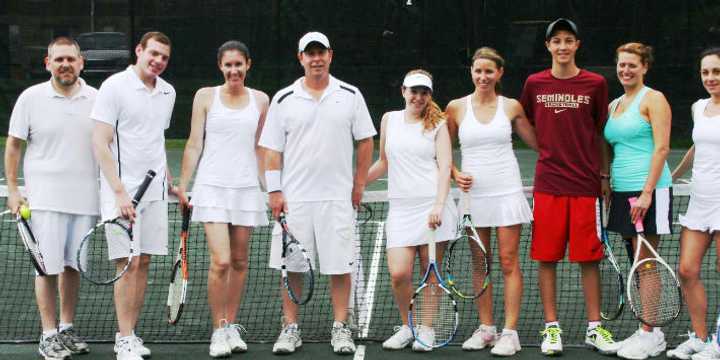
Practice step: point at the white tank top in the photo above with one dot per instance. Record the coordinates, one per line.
(487, 153)
(706, 165)
(228, 158)
(412, 165)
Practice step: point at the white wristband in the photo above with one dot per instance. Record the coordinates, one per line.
(273, 180)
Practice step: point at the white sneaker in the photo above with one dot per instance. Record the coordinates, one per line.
(234, 338)
(425, 339)
(51, 348)
(642, 345)
(341, 339)
(219, 346)
(125, 349)
(507, 345)
(552, 342)
(137, 344)
(600, 339)
(401, 339)
(288, 341)
(689, 347)
(709, 353)
(481, 338)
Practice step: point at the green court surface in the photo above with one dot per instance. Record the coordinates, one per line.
(309, 351)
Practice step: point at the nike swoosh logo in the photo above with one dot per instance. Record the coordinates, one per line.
(559, 110)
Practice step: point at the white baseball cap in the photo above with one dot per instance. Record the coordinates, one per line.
(312, 37)
(418, 79)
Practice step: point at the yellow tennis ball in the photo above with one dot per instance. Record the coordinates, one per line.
(25, 212)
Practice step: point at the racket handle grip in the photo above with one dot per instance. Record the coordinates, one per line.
(638, 224)
(149, 176)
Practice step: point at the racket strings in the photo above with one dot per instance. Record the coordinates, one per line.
(434, 315)
(612, 290)
(299, 273)
(175, 296)
(95, 253)
(467, 267)
(654, 292)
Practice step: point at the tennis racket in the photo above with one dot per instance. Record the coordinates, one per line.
(177, 290)
(433, 315)
(611, 278)
(356, 311)
(653, 290)
(93, 255)
(30, 243)
(467, 279)
(295, 267)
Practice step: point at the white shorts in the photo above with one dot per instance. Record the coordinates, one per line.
(59, 235)
(407, 222)
(702, 214)
(325, 229)
(150, 231)
(501, 210)
(243, 207)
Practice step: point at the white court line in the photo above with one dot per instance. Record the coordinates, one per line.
(359, 353)
(364, 322)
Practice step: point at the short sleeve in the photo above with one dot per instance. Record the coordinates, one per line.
(527, 103)
(362, 125)
(106, 108)
(273, 132)
(601, 104)
(20, 118)
(172, 106)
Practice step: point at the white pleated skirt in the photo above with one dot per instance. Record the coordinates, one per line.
(236, 206)
(500, 210)
(407, 222)
(703, 214)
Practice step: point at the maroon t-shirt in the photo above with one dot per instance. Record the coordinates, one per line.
(568, 115)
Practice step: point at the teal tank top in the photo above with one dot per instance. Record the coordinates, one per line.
(630, 136)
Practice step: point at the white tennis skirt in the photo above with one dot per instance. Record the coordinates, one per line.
(702, 214)
(236, 206)
(407, 222)
(500, 210)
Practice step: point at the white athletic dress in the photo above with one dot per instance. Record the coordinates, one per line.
(703, 211)
(412, 184)
(226, 187)
(496, 197)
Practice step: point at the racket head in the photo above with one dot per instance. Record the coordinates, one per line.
(31, 245)
(296, 268)
(93, 255)
(176, 293)
(433, 309)
(612, 286)
(467, 279)
(654, 292)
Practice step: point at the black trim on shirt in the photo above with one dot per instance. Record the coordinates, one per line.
(284, 96)
(347, 89)
(117, 142)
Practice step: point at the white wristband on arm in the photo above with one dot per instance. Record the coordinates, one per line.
(273, 180)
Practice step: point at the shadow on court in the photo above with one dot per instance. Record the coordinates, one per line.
(321, 351)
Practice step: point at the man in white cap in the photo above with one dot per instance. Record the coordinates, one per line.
(308, 136)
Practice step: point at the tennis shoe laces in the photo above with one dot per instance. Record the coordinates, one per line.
(288, 341)
(552, 342)
(234, 338)
(51, 348)
(642, 345)
(601, 339)
(125, 349)
(73, 342)
(341, 339)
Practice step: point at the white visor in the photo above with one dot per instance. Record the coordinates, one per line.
(417, 79)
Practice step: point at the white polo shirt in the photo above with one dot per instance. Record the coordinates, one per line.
(140, 117)
(60, 170)
(316, 139)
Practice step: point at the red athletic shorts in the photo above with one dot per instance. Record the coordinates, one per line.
(560, 220)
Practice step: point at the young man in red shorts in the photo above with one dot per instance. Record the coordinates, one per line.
(568, 107)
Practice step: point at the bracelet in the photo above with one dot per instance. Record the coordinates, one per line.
(604, 177)
(273, 180)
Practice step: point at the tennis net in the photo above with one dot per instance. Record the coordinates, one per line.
(375, 311)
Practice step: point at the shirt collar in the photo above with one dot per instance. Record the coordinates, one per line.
(137, 84)
(52, 93)
(299, 90)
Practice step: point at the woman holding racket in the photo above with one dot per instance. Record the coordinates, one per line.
(483, 122)
(702, 218)
(415, 151)
(227, 199)
(638, 130)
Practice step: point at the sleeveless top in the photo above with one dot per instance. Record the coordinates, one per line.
(631, 138)
(228, 158)
(410, 151)
(487, 152)
(706, 165)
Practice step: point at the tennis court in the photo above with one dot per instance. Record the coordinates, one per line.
(375, 312)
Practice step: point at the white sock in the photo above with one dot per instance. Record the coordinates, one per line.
(552, 323)
(49, 333)
(64, 326)
(593, 324)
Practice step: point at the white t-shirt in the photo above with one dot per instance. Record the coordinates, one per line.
(140, 117)
(412, 162)
(316, 139)
(60, 170)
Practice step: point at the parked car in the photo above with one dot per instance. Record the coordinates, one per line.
(104, 52)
